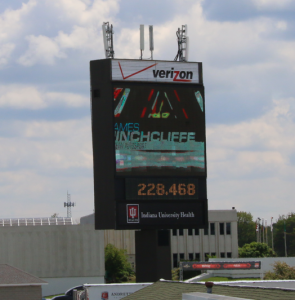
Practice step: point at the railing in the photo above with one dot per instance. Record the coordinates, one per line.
(36, 221)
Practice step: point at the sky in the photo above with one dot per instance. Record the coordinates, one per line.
(247, 51)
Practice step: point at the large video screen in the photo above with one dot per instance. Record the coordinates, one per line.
(159, 130)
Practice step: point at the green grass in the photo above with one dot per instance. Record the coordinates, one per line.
(228, 279)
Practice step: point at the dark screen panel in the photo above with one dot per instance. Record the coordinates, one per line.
(159, 130)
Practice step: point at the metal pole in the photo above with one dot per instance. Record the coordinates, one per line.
(272, 234)
(285, 244)
(257, 232)
(266, 238)
(285, 238)
(262, 230)
(180, 271)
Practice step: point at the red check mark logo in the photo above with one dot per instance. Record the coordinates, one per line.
(135, 72)
(181, 80)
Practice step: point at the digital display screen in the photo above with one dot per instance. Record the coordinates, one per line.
(161, 188)
(159, 130)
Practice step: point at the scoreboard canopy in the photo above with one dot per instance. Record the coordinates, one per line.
(149, 144)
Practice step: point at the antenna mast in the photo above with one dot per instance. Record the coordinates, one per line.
(108, 32)
(141, 39)
(151, 36)
(69, 205)
(182, 40)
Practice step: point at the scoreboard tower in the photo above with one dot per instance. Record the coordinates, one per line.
(149, 144)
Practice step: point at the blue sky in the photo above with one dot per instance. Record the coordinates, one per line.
(247, 50)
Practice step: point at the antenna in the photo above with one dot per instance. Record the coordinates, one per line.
(69, 205)
(151, 36)
(107, 31)
(141, 30)
(182, 40)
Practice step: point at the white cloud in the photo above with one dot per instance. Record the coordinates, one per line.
(272, 4)
(31, 98)
(42, 50)
(40, 161)
(21, 97)
(83, 17)
(70, 99)
(5, 52)
(85, 12)
(11, 20)
(250, 163)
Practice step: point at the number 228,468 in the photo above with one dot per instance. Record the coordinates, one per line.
(159, 189)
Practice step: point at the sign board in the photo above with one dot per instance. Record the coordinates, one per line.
(221, 265)
(155, 71)
(149, 144)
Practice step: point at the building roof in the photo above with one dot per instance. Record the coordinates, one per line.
(11, 276)
(173, 290)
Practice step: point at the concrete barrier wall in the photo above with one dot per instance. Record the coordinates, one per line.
(266, 265)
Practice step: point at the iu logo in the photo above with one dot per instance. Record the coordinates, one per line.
(104, 296)
(256, 265)
(132, 213)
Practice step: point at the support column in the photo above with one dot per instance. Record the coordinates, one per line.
(153, 255)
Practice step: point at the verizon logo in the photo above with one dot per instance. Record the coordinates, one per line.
(156, 71)
(184, 76)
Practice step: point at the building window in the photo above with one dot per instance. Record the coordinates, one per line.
(206, 256)
(212, 228)
(174, 231)
(213, 254)
(221, 228)
(228, 228)
(228, 254)
(191, 256)
(222, 254)
(197, 232)
(180, 231)
(175, 262)
(206, 231)
(181, 256)
(197, 256)
(190, 231)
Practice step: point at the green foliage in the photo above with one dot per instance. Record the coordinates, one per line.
(175, 274)
(255, 249)
(117, 267)
(246, 228)
(279, 240)
(281, 271)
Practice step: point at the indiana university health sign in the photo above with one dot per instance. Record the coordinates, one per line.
(149, 144)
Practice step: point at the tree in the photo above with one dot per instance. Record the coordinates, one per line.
(55, 215)
(281, 271)
(255, 249)
(117, 267)
(285, 223)
(246, 228)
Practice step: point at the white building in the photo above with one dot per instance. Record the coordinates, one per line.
(220, 239)
(62, 254)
